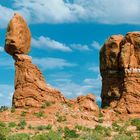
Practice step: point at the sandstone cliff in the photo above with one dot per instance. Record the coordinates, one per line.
(120, 71)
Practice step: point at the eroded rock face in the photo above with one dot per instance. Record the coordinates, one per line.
(18, 36)
(109, 67)
(30, 86)
(121, 74)
(86, 103)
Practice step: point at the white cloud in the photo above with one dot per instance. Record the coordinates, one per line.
(94, 69)
(60, 11)
(1, 49)
(6, 94)
(50, 44)
(5, 15)
(47, 43)
(80, 47)
(52, 63)
(96, 45)
(72, 89)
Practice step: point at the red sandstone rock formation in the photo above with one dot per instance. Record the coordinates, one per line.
(30, 86)
(18, 37)
(120, 70)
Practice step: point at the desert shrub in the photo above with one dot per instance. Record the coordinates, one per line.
(2, 124)
(115, 126)
(39, 137)
(39, 114)
(47, 104)
(12, 124)
(21, 136)
(92, 136)
(23, 113)
(60, 118)
(123, 137)
(50, 136)
(70, 133)
(105, 131)
(30, 126)
(3, 108)
(13, 109)
(79, 127)
(136, 122)
(4, 131)
(22, 124)
(44, 127)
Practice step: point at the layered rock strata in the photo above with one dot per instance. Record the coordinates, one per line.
(120, 71)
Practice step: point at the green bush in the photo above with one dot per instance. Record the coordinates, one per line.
(47, 104)
(50, 136)
(136, 122)
(123, 137)
(79, 127)
(30, 127)
(12, 124)
(13, 109)
(22, 124)
(21, 136)
(4, 132)
(44, 127)
(23, 113)
(2, 124)
(60, 118)
(39, 114)
(105, 131)
(70, 133)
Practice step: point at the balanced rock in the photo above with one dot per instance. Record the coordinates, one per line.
(18, 36)
(30, 86)
(120, 70)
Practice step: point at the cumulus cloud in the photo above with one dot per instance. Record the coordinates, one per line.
(5, 16)
(47, 43)
(71, 89)
(80, 47)
(96, 45)
(52, 63)
(60, 11)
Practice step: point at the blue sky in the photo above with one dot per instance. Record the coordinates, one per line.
(66, 38)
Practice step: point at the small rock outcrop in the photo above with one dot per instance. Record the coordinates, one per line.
(30, 86)
(120, 71)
